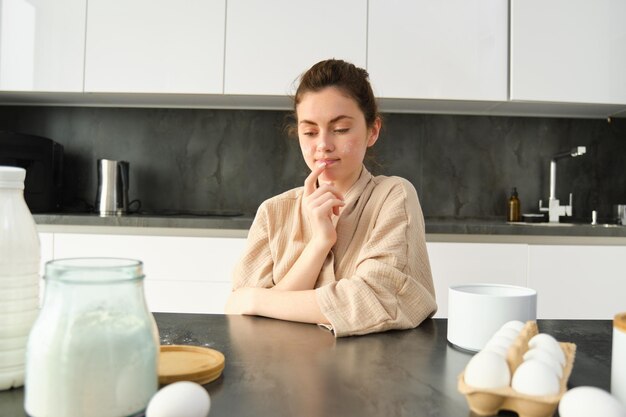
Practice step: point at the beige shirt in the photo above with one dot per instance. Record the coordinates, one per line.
(377, 275)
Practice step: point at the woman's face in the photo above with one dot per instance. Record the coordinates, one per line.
(332, 130)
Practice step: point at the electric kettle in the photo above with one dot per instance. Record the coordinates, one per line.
(112, 195)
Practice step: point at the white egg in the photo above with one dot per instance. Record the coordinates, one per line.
(508, 333)
(547, 358)
(180, 399)
(513, 324)
(487, 370)
(498, 343)
(547, 342)
(590, 401)
(501, 350)
(533, 377)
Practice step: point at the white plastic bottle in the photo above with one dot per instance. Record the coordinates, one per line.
(19, 276)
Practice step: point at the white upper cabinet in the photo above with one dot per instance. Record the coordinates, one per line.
(42, 45)
(571, 51)
(564, 58)
(453, 49)
(270, 43)
(155, 46)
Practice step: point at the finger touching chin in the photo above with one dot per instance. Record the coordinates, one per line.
(326, 177)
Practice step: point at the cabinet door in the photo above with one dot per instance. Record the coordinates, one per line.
(453, 49)
(470, 263)
(46, 243)
(42, 45)
(270, 43)
(155, 46)
(183, 274)
(568, 51)
(578, 282)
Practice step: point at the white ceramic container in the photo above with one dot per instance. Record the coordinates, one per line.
(477, 311)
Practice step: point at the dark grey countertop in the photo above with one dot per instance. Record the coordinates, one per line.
(278, 368)
(433, 225)
(134, 220)
(500, 227)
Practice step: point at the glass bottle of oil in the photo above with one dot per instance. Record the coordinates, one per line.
(514, 211)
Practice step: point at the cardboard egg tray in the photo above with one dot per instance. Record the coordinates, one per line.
(489, 402)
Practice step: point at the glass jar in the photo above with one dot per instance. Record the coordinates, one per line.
(93, 350)
(19, 276)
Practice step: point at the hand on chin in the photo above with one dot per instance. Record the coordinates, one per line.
(326, 178)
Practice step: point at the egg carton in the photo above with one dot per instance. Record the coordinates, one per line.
(489, 402)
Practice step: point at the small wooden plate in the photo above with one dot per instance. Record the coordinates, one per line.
(189, 363)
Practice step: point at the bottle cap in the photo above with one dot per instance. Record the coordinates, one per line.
(514, 192)
(12, 177)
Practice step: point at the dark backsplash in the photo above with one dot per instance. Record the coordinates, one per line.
(461, 166)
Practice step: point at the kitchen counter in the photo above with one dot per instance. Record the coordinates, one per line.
(277, 368)
(437, 229)
(134, 220)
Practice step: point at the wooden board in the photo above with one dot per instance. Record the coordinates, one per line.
(189, 363)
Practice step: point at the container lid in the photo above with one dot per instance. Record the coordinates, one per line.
(12, 177)
(189, 363)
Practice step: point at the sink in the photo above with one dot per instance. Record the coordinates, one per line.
(547, 224)
(544, 224)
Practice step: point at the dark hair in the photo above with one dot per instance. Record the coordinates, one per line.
(350, 79)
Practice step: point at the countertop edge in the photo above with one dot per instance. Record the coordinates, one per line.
(437, 229)
(143, 231)
(527, 239)
(243, 233)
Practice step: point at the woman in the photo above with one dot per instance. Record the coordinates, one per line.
(346, 250)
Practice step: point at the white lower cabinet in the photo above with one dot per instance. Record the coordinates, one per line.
(578, 282)
(464, 263)
(572, 281)
(46, 243)
(183, 274)
(193, 274)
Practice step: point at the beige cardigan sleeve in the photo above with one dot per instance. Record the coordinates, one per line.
(392, 285)
(255, 269)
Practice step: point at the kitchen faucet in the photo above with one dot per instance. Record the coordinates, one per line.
(554, 209)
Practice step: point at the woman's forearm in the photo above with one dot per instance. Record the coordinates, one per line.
(301, 306)
(304, 272)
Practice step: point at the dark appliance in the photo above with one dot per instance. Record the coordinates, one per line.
(42, 158)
